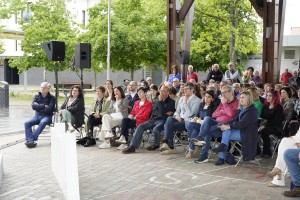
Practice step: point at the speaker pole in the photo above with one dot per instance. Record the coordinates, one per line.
(56, 86)
(81, 78)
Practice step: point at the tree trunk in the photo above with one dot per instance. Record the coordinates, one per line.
(132, 71)
(234, 24)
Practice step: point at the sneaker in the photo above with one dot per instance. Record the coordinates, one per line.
(202, 159)
(128, 150)
(198, 142)
(152, 147)
(30, 145)
(164, 147)
(122, 140)
(169, 151)
(220, 161)
(230, 159)
(292, 193)
(221, 148)
(122, 146)
(108, 135)
(104, 145)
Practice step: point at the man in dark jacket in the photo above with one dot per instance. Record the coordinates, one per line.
(132, 97)
(43, 103)
(215, 74)
(164, 108)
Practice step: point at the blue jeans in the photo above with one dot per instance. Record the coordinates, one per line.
(172, 125)
(209, 129)
(193, 129)
(42, 121)
(292, 161)
(156, 125)
(231, 134)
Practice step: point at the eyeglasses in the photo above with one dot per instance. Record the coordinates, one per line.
(223, 92)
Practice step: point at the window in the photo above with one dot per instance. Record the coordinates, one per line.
(83, 17)
(289, 54)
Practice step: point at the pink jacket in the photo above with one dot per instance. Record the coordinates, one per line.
(226, 112)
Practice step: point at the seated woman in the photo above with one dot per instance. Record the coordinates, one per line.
(118, 109)
(99, 108)
(153, 94)
(258, 105)
(280, 169)
(174, 74)
(139, 114)
(243, 128)
(72, 110)
(272, 115)
(206, 108)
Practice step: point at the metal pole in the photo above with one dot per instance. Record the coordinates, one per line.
(56, 86)
(108, 42)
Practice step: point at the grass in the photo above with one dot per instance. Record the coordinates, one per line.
(26, 99)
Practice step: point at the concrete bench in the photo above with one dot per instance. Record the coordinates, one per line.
(1, 168)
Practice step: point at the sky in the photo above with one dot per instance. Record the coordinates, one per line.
(292, 15)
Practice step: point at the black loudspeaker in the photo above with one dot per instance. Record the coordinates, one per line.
(55, 50)
(183, 56)
(82, 57)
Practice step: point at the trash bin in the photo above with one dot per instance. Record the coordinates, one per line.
(4, 94)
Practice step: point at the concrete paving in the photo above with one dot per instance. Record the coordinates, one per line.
(109, 174)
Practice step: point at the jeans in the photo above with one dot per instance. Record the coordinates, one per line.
(231, 134)
(127, 123)
(193, 129)
(156, 125)
(42, 121)
(208, 129)
(291, 157)
(172, 125)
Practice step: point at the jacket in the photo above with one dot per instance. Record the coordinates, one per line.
(122, 107)
(142, 113)
(190, 76)
(76, 109)
(39, 104)
(186, 110)
(247, 123)
(226, 112)
(160, 109)
(215, 75)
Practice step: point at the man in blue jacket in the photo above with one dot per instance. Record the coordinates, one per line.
(43, 104)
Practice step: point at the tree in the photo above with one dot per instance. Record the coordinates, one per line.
(8, 7)
(137, 34)
(223, 31)
(50, 21)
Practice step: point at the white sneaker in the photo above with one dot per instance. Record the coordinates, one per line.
(108, 135)
(104, 145)
(122, 140)
(122, 146)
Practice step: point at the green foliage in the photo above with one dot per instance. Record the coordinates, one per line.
(50, 21)
(213, 29)
(137, 34)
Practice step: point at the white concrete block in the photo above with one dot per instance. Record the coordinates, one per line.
(64, 161)
(1, 168)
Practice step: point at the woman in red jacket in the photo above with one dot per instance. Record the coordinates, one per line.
(139, 114)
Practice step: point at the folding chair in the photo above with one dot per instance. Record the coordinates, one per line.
(237, 146)
(181, 138)
(275, 141)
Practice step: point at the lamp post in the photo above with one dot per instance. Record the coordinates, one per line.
(108, 41)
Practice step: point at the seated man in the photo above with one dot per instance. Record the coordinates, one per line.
(292, 159)
(132, 97)
(188, 106)
(43, 103)
(164, 107)
(225, 112)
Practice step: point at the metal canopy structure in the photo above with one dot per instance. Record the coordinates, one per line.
(272, 12)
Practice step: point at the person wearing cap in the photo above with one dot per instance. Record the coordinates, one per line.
(232, 73)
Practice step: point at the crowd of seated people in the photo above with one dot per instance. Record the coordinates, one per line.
(221, 107)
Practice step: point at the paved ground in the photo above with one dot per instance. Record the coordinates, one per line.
(109, 174)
